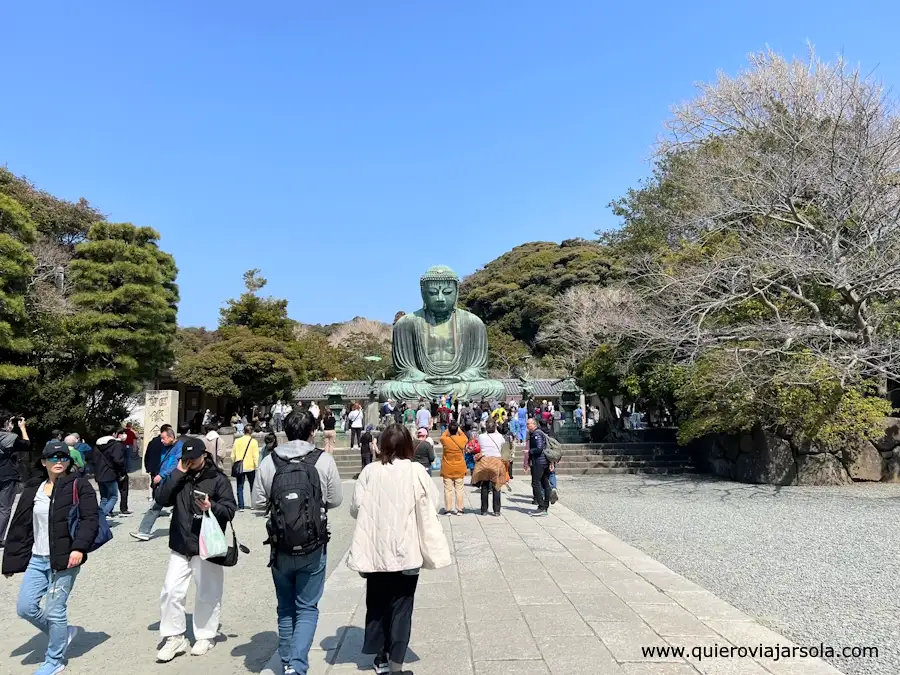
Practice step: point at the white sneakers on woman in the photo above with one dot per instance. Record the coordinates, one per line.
(201, 647)
(177, 645)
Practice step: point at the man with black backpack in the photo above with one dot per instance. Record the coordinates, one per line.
(297, 484)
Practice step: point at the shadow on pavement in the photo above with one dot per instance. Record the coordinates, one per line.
(347, 644)
(258, 651)
(36, 647)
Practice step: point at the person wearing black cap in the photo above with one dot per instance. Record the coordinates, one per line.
(40, 545)
(194, 487)
(109, 467)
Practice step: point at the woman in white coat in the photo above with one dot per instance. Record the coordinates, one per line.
(397, 532)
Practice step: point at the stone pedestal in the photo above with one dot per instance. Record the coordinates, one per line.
(160, 407)
(373, 413)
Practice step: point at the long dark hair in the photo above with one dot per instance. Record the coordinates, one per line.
(396, 443)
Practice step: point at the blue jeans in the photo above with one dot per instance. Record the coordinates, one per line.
(41, 582)
(247, 476)
(109, 495)
(299, 583)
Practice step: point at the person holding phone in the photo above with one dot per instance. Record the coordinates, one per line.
(196, 486)
(10, 444)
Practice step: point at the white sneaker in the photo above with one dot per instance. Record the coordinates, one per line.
(140, 536)
(175, 645)
(71, 634)
(201, 647)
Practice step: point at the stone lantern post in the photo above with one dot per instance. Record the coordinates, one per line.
(569, 397)
(334, 399)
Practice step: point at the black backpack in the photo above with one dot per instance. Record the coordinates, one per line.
(297, 523)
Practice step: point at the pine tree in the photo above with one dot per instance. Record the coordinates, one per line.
(16, 265)
(125, 301)
(257, 360)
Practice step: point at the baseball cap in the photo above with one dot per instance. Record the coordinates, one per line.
(55, 448)
(422, 432)
(193, 448)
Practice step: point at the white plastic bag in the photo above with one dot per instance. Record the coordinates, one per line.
(212, 538)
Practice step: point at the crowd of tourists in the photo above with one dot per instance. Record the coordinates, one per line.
(60, 520)
(477, 438)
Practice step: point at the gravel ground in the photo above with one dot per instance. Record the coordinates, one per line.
(116, 601)
(815, 564)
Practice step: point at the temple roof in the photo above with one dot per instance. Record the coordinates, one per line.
(359, 389)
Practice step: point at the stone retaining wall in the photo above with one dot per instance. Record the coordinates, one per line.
(764, 457)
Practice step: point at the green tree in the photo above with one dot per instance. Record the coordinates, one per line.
(264, 316)
(506, 355)
(124, 304)
(63, 222)
(360, 345)
(322, 360)
(16, 267)
(518, 291)
(246, 366)
(764, 254)
(90, 308)
(257, 360)
(190, 340)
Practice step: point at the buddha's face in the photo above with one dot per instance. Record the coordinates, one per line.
(440, 296)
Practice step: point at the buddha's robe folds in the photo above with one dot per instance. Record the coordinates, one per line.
(434, 360)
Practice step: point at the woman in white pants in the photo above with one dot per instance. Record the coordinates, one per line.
(194, 488)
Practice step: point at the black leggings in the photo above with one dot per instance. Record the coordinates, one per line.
(389, 610)
(355, 433)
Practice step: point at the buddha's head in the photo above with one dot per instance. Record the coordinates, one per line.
(440, 289)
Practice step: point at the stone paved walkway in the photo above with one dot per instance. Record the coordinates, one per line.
(547, 595)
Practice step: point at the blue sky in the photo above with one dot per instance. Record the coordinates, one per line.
(344, 147)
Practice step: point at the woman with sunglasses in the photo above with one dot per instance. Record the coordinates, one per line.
(39, 544)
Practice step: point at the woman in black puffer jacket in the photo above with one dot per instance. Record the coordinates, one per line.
(39, 544)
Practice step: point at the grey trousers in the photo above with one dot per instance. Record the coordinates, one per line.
(8, 490)
(149, 518)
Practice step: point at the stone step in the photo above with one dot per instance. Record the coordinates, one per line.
(619, 446)
(351, 473)
(621, 471)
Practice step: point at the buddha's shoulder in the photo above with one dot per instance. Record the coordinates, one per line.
(418, 317)
(410, 319)
(465, 316)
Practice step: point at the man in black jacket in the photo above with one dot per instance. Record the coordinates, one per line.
(109, 467)
(10, 443)
(155, 451)
(153, 456)
(195, 490)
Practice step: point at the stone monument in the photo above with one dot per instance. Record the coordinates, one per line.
(441, 349)
(160, 407)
